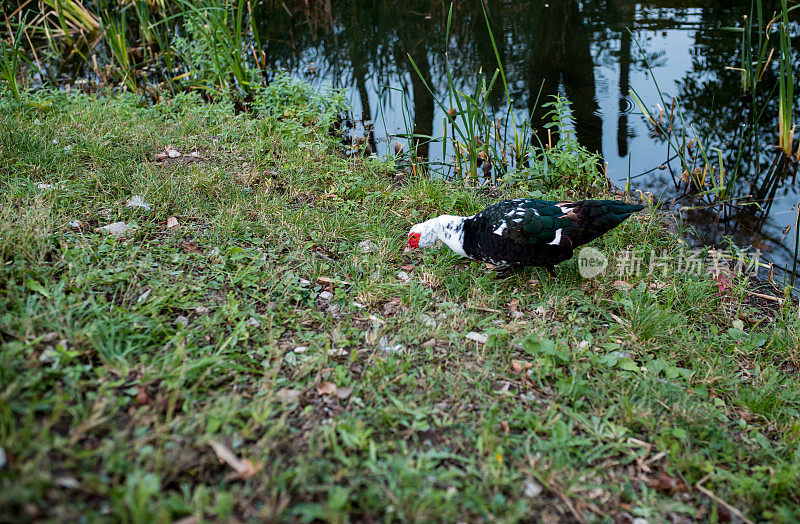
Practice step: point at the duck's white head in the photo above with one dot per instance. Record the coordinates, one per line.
(447, 228)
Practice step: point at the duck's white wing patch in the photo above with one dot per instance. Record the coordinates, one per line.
(556, 241)
(501, 228)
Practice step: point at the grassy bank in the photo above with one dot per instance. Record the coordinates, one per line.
(276, 356)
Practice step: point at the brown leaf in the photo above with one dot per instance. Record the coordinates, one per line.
(407, 267)
(326, 388)
(172, 222)
(244, 468)
(191, 247)
(666, 483)
(429, 343)
(143, 398)
(514, 305)
(519, 366)
(287, 396)
(505, 427)
(621, 284)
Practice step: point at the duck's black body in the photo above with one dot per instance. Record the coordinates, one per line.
(526, 232)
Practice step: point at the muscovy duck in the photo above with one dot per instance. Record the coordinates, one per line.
(523, 232)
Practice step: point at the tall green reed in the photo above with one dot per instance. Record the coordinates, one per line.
(115, 35)
(10, 56)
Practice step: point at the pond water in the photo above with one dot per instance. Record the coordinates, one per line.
(593, 52)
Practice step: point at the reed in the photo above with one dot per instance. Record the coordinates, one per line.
(115, 35)
(10, 56)
(785, 84)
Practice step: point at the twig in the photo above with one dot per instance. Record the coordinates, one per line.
(714, 496)
(765, 297)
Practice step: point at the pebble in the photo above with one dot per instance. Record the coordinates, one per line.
(201, 310)
(182, 320)
(480, 338)
(383, 344)
(300, 349)
(326, 295)
(427, 320)
(402, 275)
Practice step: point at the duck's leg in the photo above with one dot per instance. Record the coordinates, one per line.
(503, 272)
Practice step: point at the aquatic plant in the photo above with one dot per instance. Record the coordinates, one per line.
(214, 49)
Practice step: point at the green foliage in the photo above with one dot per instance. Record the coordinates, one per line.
(565, 165)
(123, 357)
(286, 98)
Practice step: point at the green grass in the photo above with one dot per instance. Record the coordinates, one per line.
(589, 402)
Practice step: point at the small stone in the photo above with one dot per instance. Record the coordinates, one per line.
(480, 338)
(253, 322)
(402, 275)
(75, 224)
(172, 222)
(300, 349)
(326, 295)
(137, 201)
(429, 343)
(182, 320)
(173, 153)
(367, 246)
(336, 352)
(358, 305)
(44, 186)
(532, 488)
(66, 482)
(640, 520)
(201, 310)
(304, 282)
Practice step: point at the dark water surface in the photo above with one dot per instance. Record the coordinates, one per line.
(592, 52)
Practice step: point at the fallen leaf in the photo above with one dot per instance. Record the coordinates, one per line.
(44, 186)
(367, 246)
(621, 284)
(505, 427)
(137, 201)
(666, 483)
(429, 343)
(172, 222)
(287, 396)
(519, 366)
(118, 229)
(343, 393)
(172, 153)
(326, 388)
(407, 267)
(514, 305)
(244, 468)
(144, 296)
(143, 398)
(480, 338)
(403, 276)
(191, 247)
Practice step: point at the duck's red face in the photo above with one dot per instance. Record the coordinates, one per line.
(413, 241)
